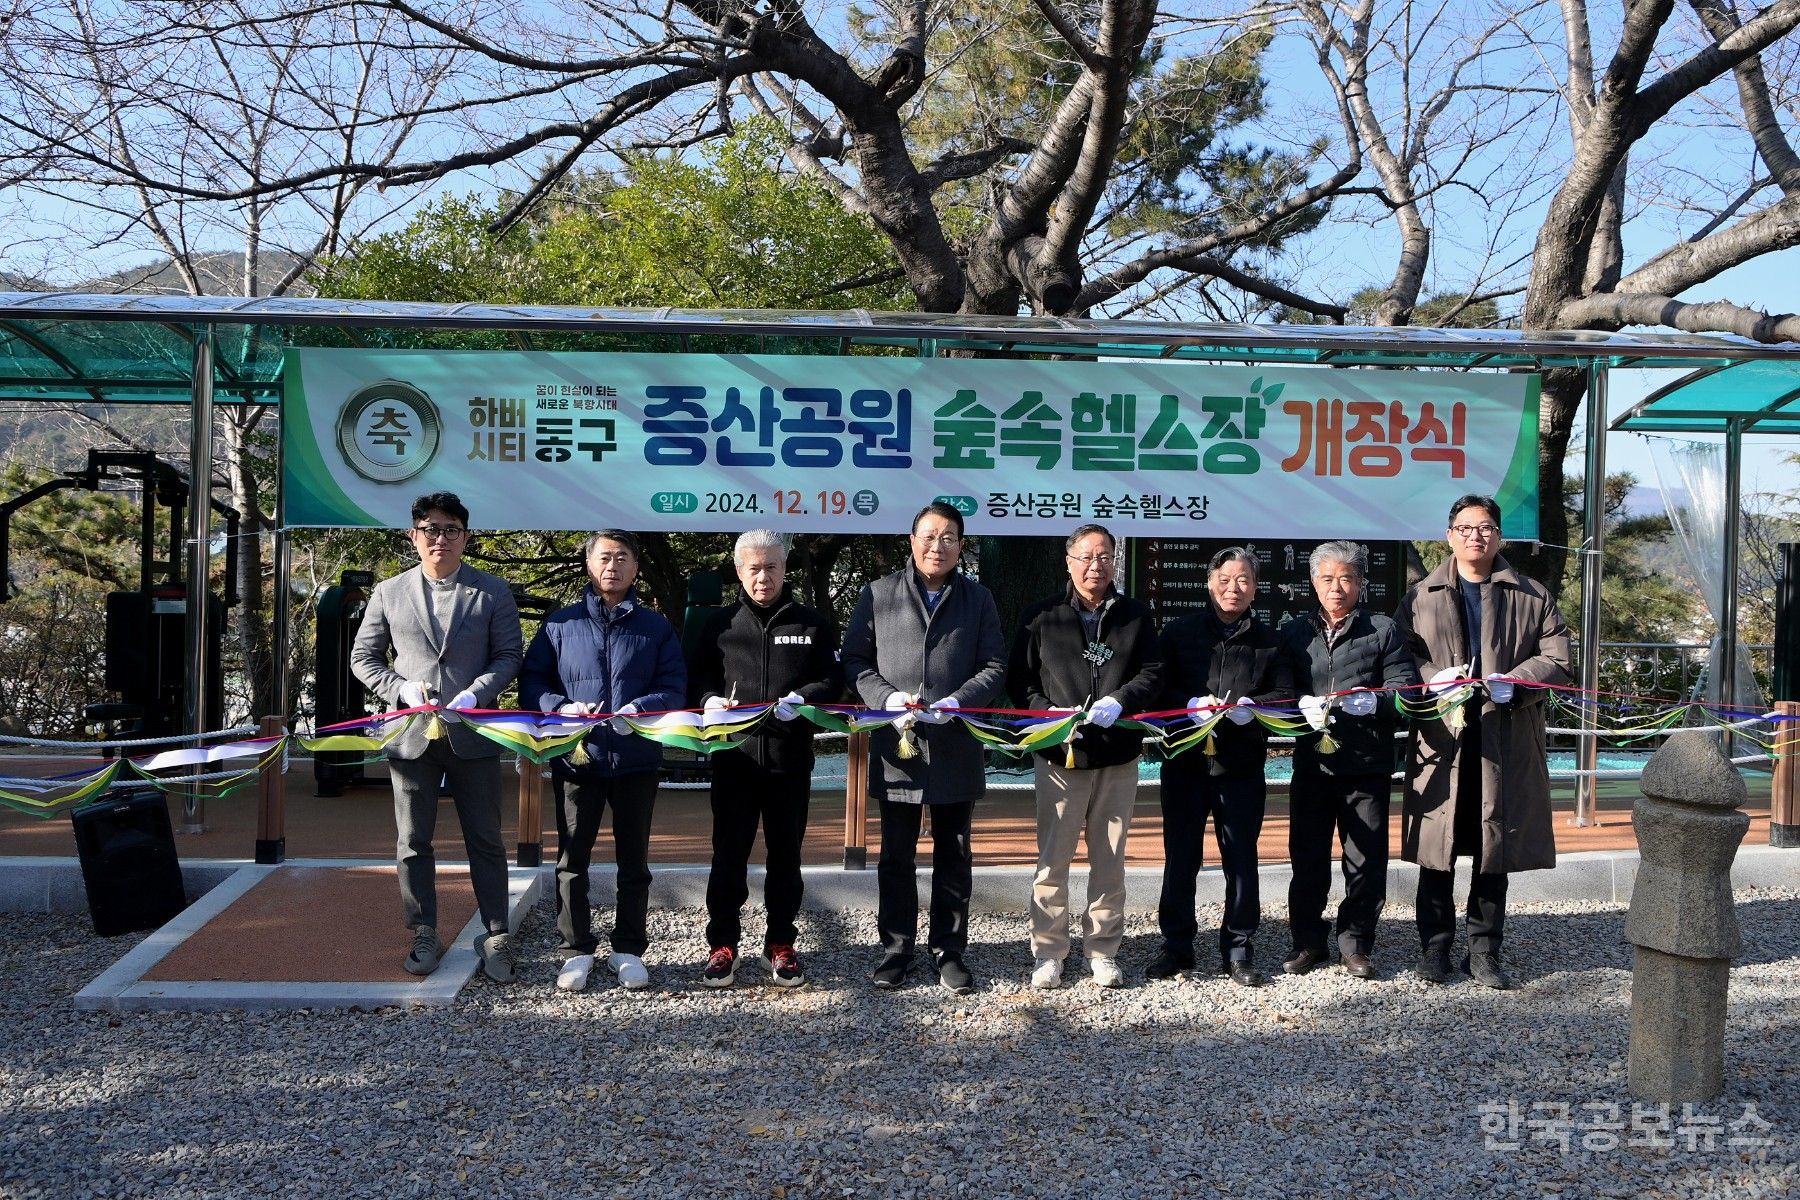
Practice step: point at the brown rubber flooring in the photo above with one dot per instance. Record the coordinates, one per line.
(314, 925)
(360, 824)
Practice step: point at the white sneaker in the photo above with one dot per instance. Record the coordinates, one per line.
(630, 969)
(575, 972)
(1047, 975)
(1106, 971)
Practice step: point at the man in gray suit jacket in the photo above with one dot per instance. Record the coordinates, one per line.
(926, 638)
(453, 636)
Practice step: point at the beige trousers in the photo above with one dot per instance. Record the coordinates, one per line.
(1098, 801)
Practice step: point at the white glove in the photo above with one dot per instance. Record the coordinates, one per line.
(575, 708)
(1446, 680)
(1239, 713)
(413, 693)
(462, 699)
(784, 707)
(897, 701)
(1499, 690)
(1104, 711)
(715, 710)
(618, 723)
(1314, 708)
(1207, 701)
(940, 711)
(1359, 703)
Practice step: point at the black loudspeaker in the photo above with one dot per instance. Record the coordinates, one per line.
(128, 862)
(1787, 624)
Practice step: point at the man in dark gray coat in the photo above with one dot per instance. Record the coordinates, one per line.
(452, 633)
(927, 639)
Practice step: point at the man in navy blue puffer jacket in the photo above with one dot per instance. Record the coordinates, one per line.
(607, 653)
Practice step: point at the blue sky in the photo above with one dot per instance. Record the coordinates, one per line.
(1341, 257)
(1365, 255)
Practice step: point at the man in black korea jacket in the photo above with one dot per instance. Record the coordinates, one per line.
(766, 647)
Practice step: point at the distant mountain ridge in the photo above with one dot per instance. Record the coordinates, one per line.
(1646, 500)
(220, 274)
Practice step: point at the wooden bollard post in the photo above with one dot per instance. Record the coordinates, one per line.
(1784, 796)
(271, 802)
(531, 813)
(856, 805)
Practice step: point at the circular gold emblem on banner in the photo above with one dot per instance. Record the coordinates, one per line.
(389, 431)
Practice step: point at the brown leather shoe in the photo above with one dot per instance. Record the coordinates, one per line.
(1304, 961)
(1359, 966)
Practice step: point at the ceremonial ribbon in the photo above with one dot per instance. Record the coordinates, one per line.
(541, 737)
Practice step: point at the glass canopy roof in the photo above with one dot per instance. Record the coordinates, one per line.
(135, 348)
(1761, 396)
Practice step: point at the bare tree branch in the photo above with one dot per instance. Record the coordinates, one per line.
(1616, 310)
(1753, 97)
(1687, 263)
(1219, 269)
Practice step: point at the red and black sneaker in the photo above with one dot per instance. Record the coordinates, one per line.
(721, 968)
(784, 966)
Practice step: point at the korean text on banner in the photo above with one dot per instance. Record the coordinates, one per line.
(545, 440)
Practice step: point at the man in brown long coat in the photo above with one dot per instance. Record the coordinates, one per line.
(1481, 791)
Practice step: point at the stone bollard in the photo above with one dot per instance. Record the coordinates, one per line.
(1682, 922)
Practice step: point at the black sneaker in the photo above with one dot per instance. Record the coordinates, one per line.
(891, 973)
(721, 968)
(784, 966)
(1486, 970)
(954, 975)
(499, 957)
(427, 951)
(1167, 965)
(1434, 966)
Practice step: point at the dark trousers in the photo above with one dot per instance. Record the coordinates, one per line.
(1356, 807)
(631, 797)
(475, 787)
(1487, 890)
(952, 877)
(1236, 808)
(742, 795)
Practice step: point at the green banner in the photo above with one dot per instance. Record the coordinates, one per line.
(542, 440)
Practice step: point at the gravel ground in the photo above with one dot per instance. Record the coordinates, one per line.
(1316, 1085)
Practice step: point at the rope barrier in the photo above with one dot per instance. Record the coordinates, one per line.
(121, 744)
